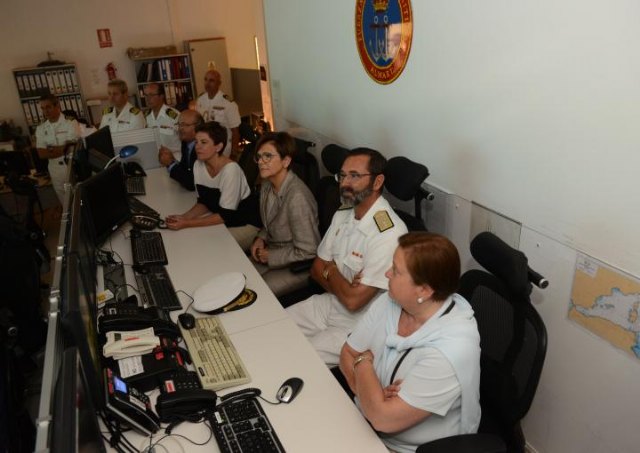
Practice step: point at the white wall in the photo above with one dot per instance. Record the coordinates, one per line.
(30, 28)
(528, 108)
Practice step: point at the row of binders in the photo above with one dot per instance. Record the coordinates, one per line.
(176, 93)
(164, 69)
(55, 81)
(34, 115)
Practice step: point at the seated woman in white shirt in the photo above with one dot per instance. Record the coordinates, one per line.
(224, 197)
(413, 360)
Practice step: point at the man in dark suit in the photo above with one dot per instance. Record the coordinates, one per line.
(182, 170)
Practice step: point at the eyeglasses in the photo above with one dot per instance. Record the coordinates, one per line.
(264, 157)
(355, 177)
(186, 124)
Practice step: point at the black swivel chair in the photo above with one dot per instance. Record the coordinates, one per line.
(328, 194)
(403, 180)
(305, 165)
(513, 341)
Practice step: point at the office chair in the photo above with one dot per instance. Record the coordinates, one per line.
(249, 166)
(513, 343)
(403, 180)
(305, 165)
(328, 195)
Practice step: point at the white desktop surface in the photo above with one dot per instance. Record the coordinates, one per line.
(321, 418)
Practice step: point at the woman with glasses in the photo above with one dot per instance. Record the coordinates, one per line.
(223, 193)
(413, 360)
(289, 214)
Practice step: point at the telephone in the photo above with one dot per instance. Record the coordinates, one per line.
(239, 395)
(183, 398)
(121, 345)
(147, 222)
(129, 405)
(133, 169)
(140, 320)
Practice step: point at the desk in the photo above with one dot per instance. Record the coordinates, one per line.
(321, 418)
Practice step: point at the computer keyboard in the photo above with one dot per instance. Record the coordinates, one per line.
(213, 354)
(242, 426)
(138, 207)
(156, 289)
(135, 185)
(147, 248)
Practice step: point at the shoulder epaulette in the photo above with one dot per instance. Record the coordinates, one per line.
(69, 117)
(383, 221)
(134, 110)
(172, 113)
(147, 112)
(344, 207)
(107, 110)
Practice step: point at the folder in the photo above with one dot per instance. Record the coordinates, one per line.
(38, 82)
(27, 113)
(74, 79)
(35, 112)
(32, 85)
(56, 82)
(74, 105)
(20, 82)
(50, 84)
(68, 81)
(43, 82)
(80, 105)
(63, 85)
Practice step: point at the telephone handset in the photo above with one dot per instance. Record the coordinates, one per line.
(182, 397)
(240, 395)
(118, 322)
(120, 345)
(129, 405)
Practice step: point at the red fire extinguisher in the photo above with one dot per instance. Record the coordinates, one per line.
(111, 71)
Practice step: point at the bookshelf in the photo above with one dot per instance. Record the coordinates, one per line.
(61, 80)
(174, 71)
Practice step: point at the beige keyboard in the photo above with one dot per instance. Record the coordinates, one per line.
(214, 356)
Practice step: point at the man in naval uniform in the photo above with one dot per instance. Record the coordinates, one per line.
(121, 116)
(353, 256)
(52, 139)
(213, 105)
(162, 118)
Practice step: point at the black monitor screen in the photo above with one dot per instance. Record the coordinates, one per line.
(99, 148)
(79, 322)
(105, 197)
(14, 162)
(75, 423)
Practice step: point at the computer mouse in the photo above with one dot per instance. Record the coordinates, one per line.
(289, 390)
(187, 321)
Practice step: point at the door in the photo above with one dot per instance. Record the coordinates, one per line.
(210, 53)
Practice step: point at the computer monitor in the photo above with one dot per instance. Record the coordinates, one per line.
(105, 196)
(81, 241)
(75, 426)
(99, 148)
(14, 162)
(79, 326)
(146, 140)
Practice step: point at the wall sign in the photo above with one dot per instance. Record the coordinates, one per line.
(384, 29)
(104, 37)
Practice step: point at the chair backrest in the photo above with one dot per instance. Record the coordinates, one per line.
(328, 194)
(249, 165)
(403, 180)
(305, 165)
(513, 337)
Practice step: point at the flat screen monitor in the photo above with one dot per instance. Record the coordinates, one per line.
(75, 426)
(99, 148)
(146, 140)
(14, 162)
(105, 196)
(79, 325)
(81, 241)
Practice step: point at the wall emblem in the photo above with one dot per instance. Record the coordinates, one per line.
(384, 29)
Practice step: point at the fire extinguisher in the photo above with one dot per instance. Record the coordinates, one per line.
(111, 71)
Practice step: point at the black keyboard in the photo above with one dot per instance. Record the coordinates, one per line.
(242, 426)
(147, 248)
(156, 289)
(138, 207)
(135, 185)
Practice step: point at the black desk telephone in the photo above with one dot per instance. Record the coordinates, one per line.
(182, 398)
(129, 405)
(133, 169)
(147, 222)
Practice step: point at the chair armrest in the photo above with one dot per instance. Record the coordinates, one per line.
(471, 443)
(301, 266)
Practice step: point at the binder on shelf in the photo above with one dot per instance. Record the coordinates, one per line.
(35, 112)
(27, 112)
(36, 77)
(32, 85)
(63, 85)
(74, 79)
(74, 105)
(50, 84)
(68, 82)
(20, 82)
(56, 82)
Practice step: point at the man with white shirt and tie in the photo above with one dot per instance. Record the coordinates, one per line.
(182, 170)
(213, 105)
(162, 118)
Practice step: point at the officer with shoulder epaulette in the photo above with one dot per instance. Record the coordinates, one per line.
(213, 105)
(162, 117)
(121, 115)
(353, 256)
(53, 137)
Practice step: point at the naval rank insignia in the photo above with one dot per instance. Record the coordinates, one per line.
(384, 29)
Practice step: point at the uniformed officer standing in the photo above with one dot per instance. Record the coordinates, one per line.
(213, 105)
(162, 118)
(52, 138)
(121, 116)
(353, 256)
